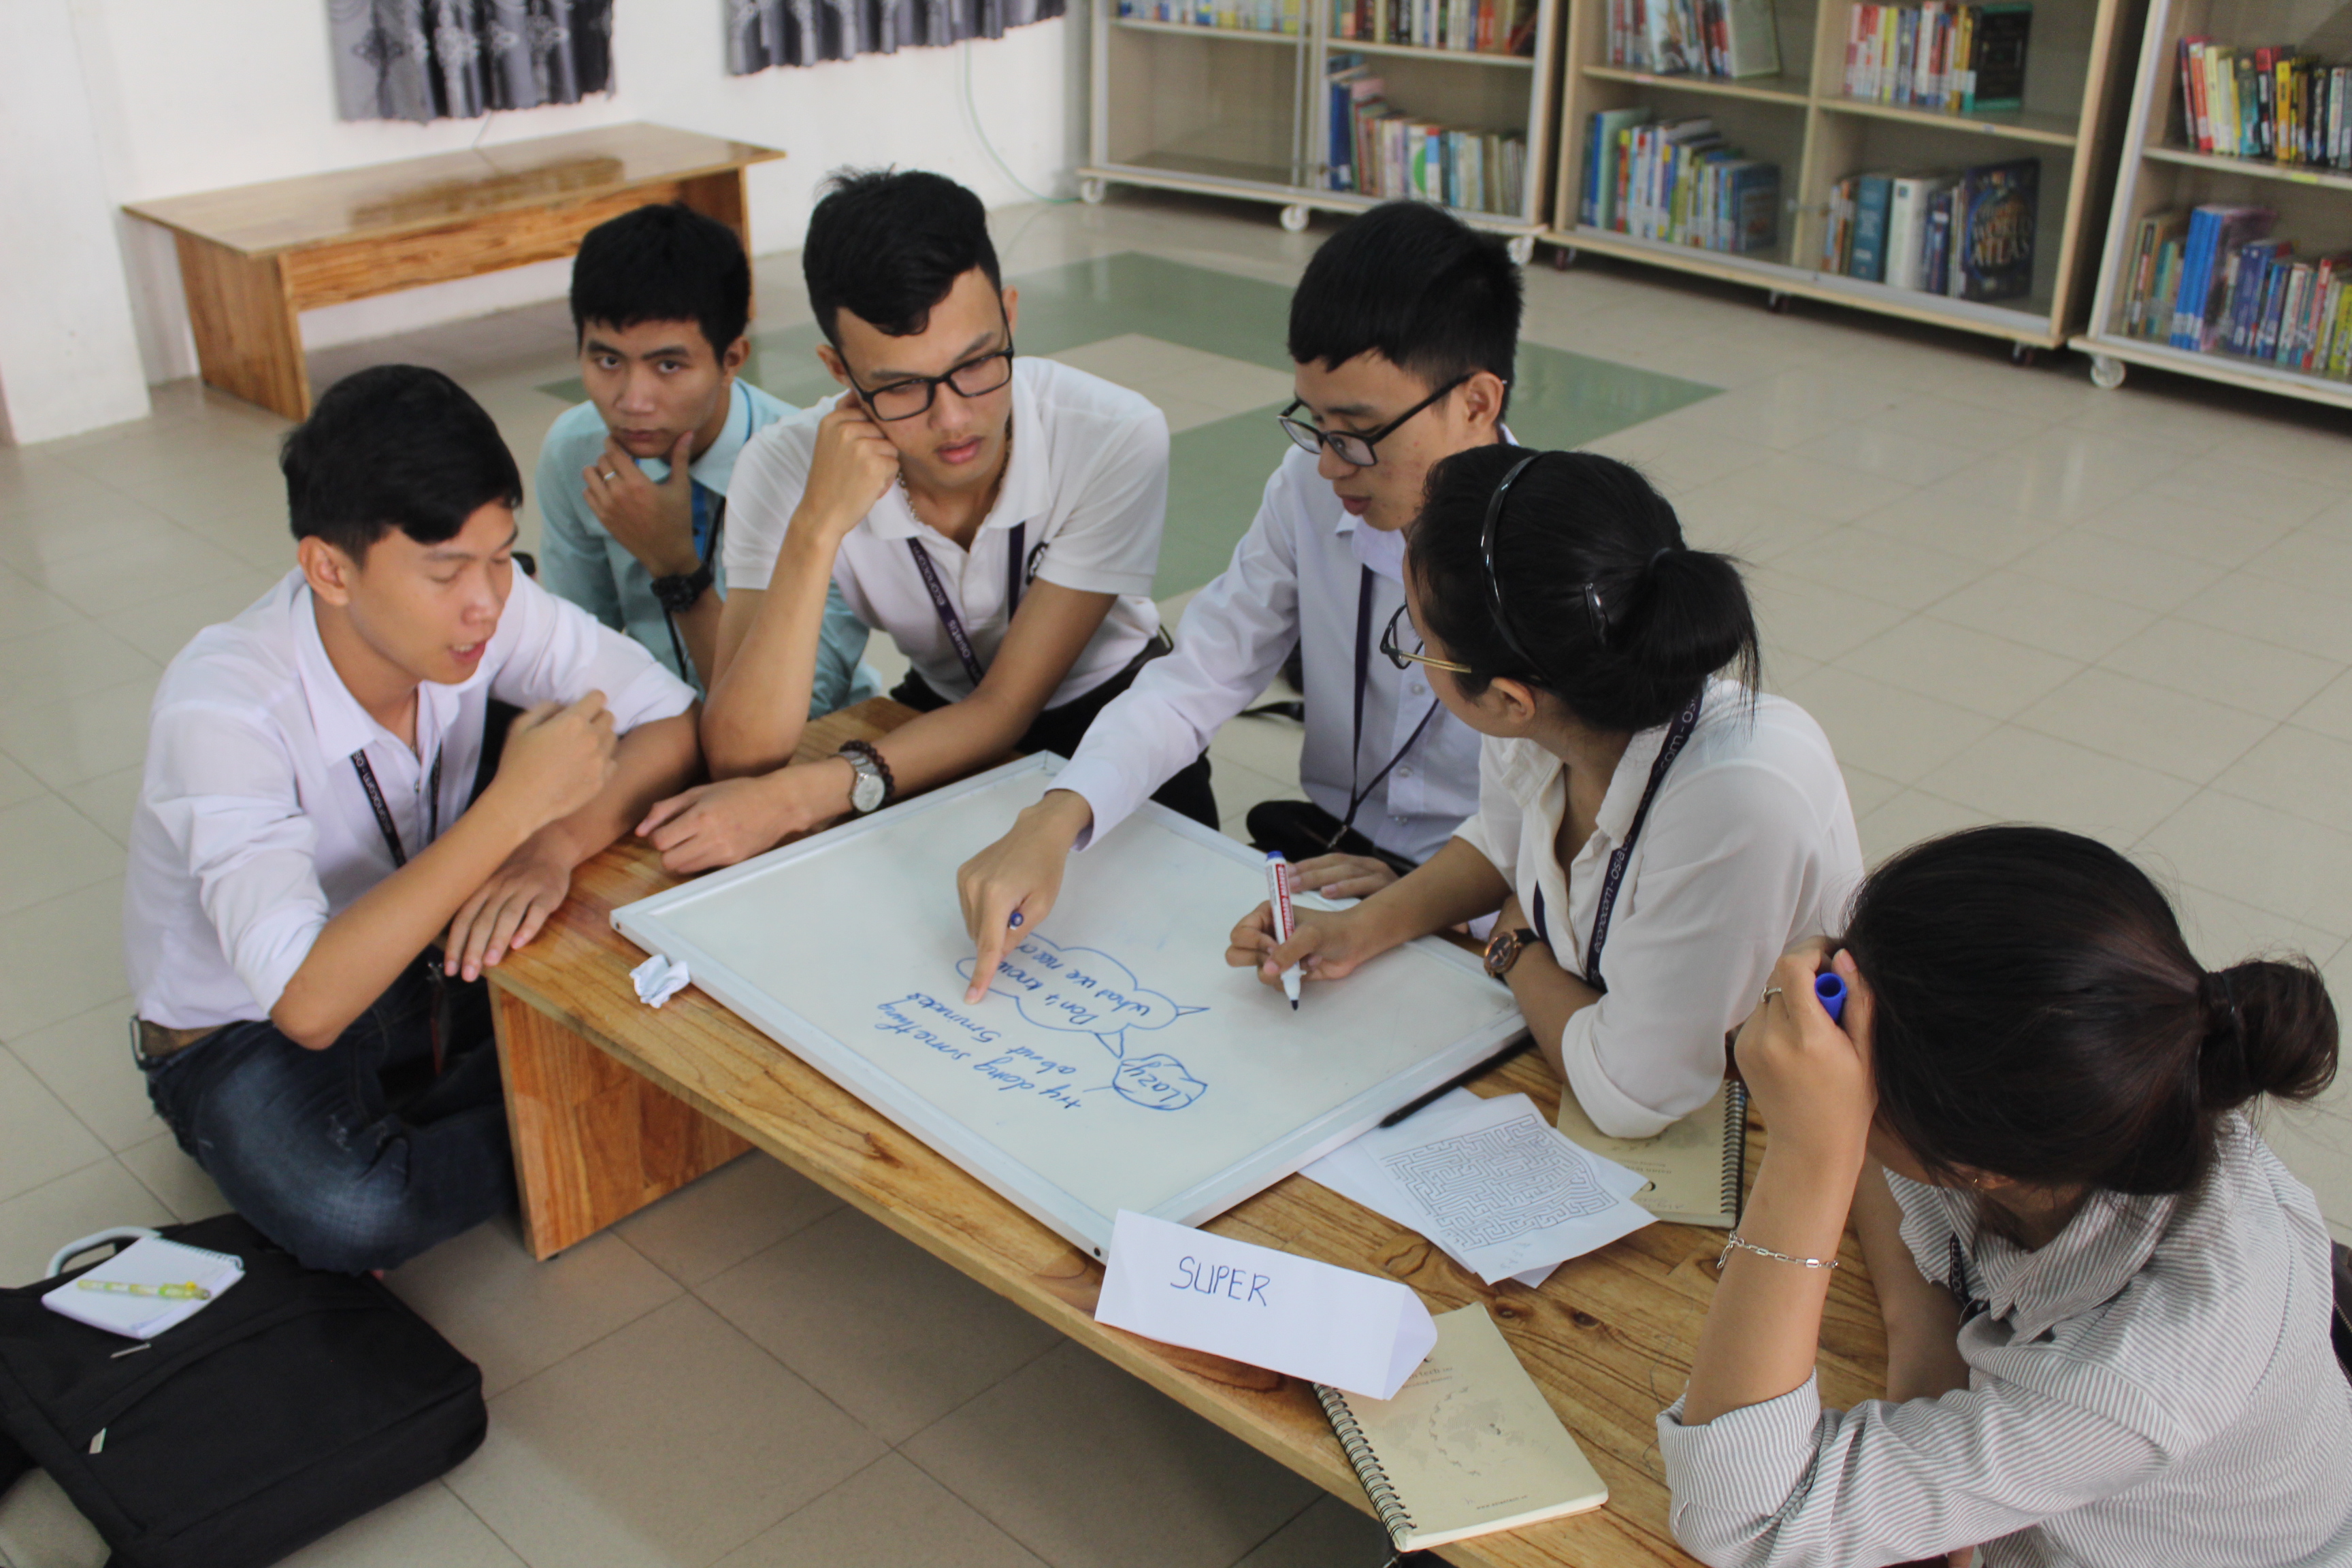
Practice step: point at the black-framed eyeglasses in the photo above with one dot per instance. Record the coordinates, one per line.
(913, 394)
(1403, 659)
(1353, 449)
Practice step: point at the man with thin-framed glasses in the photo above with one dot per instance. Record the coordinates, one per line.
(1403, 330)
(999, 517)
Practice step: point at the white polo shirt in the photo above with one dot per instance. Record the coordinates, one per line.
(1085, 488)
(1749, 847)
(253, 829)
(1299, 575)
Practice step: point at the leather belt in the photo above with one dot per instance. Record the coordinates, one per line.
(153, 1042)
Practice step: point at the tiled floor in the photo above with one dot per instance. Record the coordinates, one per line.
(2003, 593)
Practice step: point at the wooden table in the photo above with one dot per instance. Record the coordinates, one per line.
(253, 257)
(614, 1104)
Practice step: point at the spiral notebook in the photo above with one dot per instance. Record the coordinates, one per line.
(1466, 1448)
(1697, 1168)
(148, 1287)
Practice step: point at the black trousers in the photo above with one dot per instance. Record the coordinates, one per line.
(1302, 830)
(1059, 731)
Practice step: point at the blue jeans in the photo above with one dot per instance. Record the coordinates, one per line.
(327, 1158)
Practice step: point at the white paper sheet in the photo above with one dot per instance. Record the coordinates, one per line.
(1294, 1315)
(1491, 1182)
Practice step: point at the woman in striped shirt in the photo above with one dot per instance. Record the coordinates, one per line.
(2106, 1301)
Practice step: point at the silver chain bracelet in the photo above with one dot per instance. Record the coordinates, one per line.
(1735, 1239)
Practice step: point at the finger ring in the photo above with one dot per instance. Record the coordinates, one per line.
(607, 475)
(1770, 992)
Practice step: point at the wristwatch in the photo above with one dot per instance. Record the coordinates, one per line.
(874, 787)
(1503, 950)
(677, 593)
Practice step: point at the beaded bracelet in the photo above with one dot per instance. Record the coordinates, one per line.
(1737, 1240)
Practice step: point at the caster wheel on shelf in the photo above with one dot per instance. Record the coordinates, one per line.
(1522, 249)
(2107, 371)
(1294, 218)
(1776, 302)
(1563, 258)
(2024, 355)
(1092, 191)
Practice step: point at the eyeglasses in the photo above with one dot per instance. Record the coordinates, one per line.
(1404, 661)
(1353, 449)
(913, 394)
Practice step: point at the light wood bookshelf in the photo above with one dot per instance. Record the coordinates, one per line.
(2162, 172)
(1802, 119)
(1235, 112)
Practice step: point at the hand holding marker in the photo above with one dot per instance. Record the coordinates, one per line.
(1277, 894)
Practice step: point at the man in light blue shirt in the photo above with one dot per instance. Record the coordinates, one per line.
(632, 483)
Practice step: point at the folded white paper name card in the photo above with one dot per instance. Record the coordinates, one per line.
(1184, 1286)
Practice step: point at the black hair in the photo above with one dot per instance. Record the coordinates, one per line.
(663, 263)
(2037, 1014)
(394, 445)
(1435, 296)
(887, 244)
(1608, 610)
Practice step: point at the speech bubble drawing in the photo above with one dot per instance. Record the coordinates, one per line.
(1085, 991)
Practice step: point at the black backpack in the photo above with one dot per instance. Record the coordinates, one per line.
(297, 1401)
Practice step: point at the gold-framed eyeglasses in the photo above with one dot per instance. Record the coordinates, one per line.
(1403, 658)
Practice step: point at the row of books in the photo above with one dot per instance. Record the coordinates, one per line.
(2272, 102)
(1968, 235)
(1482, 26)
(1727, 38)
(1960, 59)
(2213, 280)
(1679, 181)
(1245, 16)
(1376, 149)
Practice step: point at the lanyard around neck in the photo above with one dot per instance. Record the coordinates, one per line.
(1016, 568)
(1357, 796)
(383, 822)
(1613, 880)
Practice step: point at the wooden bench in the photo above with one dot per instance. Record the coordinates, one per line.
(614, 1104)
(253, 257)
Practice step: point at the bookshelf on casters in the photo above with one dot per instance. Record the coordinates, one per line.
(1329, 105)
(1929, 160)
(2229, 255)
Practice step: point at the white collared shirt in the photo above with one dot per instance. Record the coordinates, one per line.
(2155, 1386)
(1298, 575)
(1087, 484)
(253, 829)
(1749, 848)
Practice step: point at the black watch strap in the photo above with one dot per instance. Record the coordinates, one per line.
(679, 593)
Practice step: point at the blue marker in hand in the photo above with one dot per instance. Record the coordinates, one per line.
(1831, 989)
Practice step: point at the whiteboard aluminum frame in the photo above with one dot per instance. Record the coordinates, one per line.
(1062, 1211)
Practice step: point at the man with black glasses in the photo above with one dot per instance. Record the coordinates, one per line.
(1403, 330)
(998, 516)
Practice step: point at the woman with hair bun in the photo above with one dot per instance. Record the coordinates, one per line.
(2106, 1301)
(1654, 836)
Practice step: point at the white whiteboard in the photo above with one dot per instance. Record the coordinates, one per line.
(1117, 1062)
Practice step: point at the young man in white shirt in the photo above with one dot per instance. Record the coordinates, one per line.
(632, 483)
(303, 830)
(999, 518)
(1403, 330)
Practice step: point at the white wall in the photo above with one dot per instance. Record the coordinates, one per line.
(191, 96)
(68, 361)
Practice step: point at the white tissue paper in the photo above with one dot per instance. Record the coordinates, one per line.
(658, 980)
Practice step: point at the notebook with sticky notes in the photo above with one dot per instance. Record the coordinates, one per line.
(148, 1287)
(1468, 1445)
(1697, 1167)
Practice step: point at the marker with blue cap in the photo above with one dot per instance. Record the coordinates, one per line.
(1831, 989)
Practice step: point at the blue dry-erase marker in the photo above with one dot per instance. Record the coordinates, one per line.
(1831, 989)
(1015, 923)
